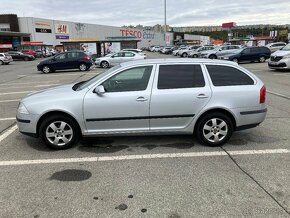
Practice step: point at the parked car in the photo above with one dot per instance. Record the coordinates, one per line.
(67, 60)
(155, 48)
(275, 46)
(280, 59)
(140, 52)
(5, 59)
(117, 58)
(174, 96)
(167, 50)
(16, 55)
(29, 52)
(175, 52)
(196, 53)
(251, 54)
(185, 52)
(212, 54)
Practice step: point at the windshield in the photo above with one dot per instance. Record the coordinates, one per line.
(286, 48)
(97, 77)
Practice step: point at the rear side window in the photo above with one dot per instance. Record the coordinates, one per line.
(228, 76)
(180, 76)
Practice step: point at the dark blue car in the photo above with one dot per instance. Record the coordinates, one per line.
(67, 60)
(251, 54)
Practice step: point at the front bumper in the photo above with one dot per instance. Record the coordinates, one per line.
(27, 124)
(282, 64)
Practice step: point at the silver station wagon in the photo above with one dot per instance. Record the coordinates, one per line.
(208, 98)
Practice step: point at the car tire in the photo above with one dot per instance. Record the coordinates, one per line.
(262, 59)
(2, 62)
(184, 55)
(83, 67)
(7, 63)
(214, 129)
(212, 57)
(235, 60)
(195, 56)
(26, 59)
(59, 132)
(105, 64)
(46, 69)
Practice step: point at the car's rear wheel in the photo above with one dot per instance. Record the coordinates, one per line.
(213, 57)
(262, 59)
(46, 69)
(7, 63)
(59, 132)
(83, 67)
(104, 64)
(236, 60)
(184, 55)
(195, 56)
(2, 62)
(214, 129)
(26, 59)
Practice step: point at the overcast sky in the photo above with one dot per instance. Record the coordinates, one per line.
(150, 12)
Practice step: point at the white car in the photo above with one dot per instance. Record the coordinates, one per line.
(275, 46)
(117, 58)
(5, 59)
(176, 52)
(213, 54)
(280, 59)
(155, 48)
(196, 53)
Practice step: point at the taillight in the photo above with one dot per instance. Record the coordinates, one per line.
(262, 95)
(86, 58)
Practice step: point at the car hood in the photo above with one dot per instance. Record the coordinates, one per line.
(50, 92)
(281, 53)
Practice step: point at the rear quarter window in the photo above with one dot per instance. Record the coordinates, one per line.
(228, 76)
(180, 76)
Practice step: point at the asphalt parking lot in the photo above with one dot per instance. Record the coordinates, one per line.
(160, 176)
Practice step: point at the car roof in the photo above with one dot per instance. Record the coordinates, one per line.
(176, 61)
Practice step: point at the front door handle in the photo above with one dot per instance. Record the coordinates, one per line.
(141, 99)
(202, 96)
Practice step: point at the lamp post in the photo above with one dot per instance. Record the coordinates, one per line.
(165, 26)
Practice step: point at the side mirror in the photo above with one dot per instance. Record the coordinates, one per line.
(100, 90)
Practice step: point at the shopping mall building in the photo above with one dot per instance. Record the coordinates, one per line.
(36, 33)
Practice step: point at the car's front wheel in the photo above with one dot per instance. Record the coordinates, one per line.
(46, 69)
(214, 129)
(104, 64)
(83, 67)
(195, 56)
(26, 59)
(59, 132)
(184, 55)
(212, 57)
(2, 62)
(236, 60)
(262, 59)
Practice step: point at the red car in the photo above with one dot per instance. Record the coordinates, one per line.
(29, 52)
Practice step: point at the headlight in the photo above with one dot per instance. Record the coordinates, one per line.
(98, 59)
(22, 109)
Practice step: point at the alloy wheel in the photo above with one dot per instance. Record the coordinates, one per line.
(59, 133)
(83, 67)
(46, 69)
(215, 130)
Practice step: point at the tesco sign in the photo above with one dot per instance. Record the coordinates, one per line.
(137, 33)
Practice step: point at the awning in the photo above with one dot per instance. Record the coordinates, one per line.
(6, 33)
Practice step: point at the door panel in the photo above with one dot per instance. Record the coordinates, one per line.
(179, 98)
(124, 107)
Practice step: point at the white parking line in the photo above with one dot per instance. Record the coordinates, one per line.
(278, 94)
(22, 87)
(140, 157)
(5, 119)
(62, 75)
(13, 93)
(13, 100)
(7, 132)
(9, 84)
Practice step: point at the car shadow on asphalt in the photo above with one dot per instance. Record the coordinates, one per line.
(116, 144)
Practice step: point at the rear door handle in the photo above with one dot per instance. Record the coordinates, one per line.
(141, 99)
(202, 96)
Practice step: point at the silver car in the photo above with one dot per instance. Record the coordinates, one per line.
(117, 58)
(159, 96)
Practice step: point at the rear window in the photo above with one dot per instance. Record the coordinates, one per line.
(180, 76)
(228, 76)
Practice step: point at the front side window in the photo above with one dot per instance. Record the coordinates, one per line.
(228, 76)
(129, 54)
(60, 57)
(180, 76)
(117, 55)
(134, 79)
